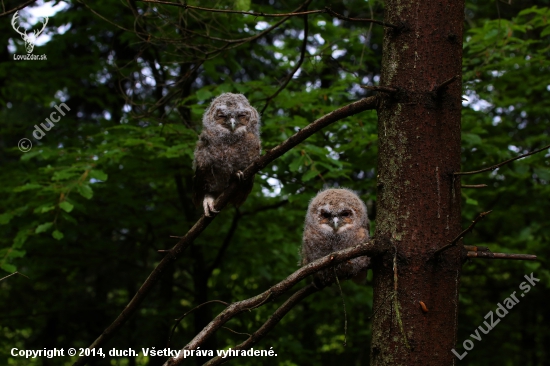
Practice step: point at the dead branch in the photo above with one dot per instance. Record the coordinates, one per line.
(298, 65)
(18, 7)
(178, 320)
(383, 89)
(473, 186)
(13, 274)
(440, 87)
(269, 324)
(491, 255)
(368, 248)
(461, 235)
(491, 168)
(326, 10)
(334, 116)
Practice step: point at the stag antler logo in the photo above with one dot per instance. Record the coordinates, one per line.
(29, 43)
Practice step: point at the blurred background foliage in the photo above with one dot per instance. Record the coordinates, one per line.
(84, 213)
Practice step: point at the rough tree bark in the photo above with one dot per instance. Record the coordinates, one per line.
(418, 208)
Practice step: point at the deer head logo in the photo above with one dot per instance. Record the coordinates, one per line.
(29, 43)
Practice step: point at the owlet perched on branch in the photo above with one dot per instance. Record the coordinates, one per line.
(336, 219)
(228, 143)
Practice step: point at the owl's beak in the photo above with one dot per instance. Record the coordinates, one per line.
(335, 223)
(232, 121)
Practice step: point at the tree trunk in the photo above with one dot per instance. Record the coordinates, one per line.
(418, 208)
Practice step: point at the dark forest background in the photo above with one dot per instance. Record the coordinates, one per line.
(84, 213)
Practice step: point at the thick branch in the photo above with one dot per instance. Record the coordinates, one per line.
(236, 308)
(491, 168)
(334, 116)
(461, 235)
(269, 324)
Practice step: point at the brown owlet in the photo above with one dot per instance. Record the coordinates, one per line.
(228, 143)
(336, 219)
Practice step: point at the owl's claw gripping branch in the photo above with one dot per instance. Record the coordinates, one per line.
(240, 176)
(208, 205)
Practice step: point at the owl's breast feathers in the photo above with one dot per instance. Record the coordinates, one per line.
(218, 160)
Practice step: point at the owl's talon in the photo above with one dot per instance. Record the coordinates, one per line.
(240, 176)
(208, 205)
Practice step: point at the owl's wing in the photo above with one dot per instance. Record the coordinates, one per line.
(202, 173)
(252, 153)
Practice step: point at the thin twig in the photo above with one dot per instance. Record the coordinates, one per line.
(475, 248)
(18, 7)
(391, 294)
(365, 20)
(13, 274)
(239, 333)
(461, 235)
(291, 74)
(368, 248)
(440, 87)
(473, 186)
(266, 327)
(344, 305)
(491, 255)
(384, 89)
(326, 10)
(340, 113)
(491, 168)
(178, 320)
(396, 301)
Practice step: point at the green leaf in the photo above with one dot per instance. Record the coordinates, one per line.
(309, 175)
(543, 173)
(66, 206)
(471, 138)
(65, 174)
(44, 208)
(27, 187)
(203, 94)
(85, 191)
(17, 253)
(297, 163)
(20, 238)
(98, 174)
(43, 227)
(8, 267)
(470, 201)
(57, 235)
(5, 218)
(242, 5)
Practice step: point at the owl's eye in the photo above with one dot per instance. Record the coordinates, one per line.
(242, 117)
(325, 214)
(346, 213)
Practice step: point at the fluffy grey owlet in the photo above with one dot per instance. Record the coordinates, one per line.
(336, 219)
(228, 143)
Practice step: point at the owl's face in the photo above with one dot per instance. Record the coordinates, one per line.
(336, 219)
(230, 115)
(232, 118)
(336, 211)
